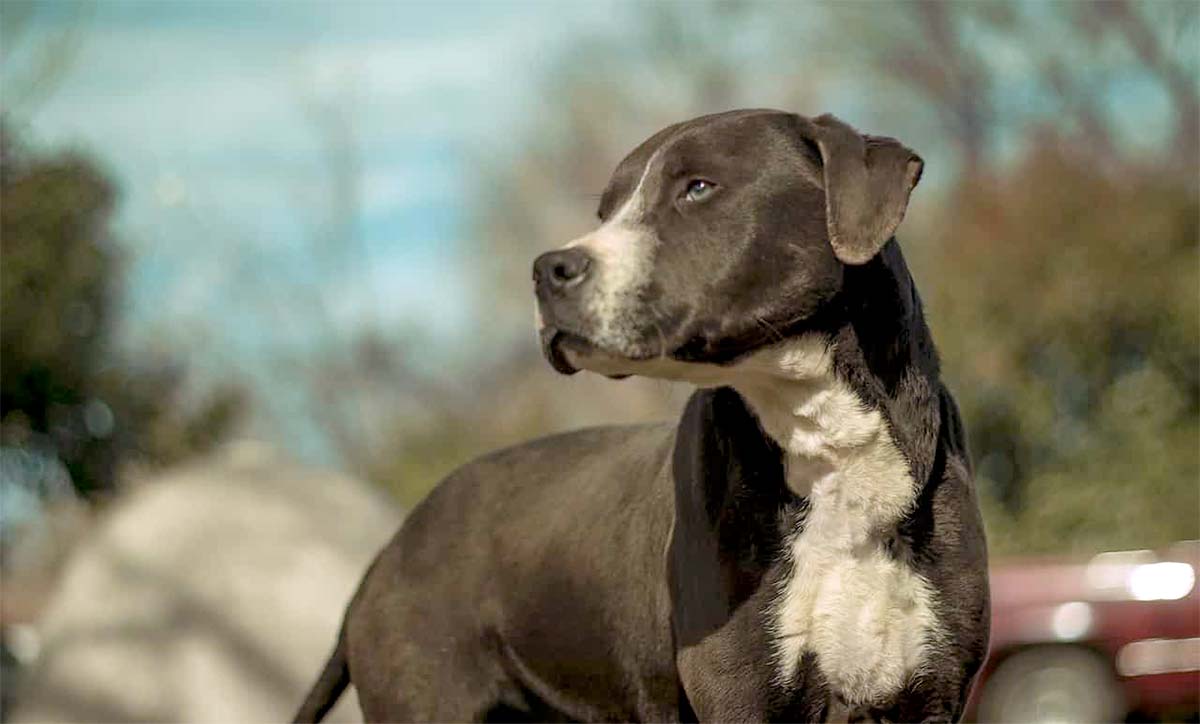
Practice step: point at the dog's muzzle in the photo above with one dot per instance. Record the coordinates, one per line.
(560, 280)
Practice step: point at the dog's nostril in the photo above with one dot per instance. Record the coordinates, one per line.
(562, 269)
(570, 267)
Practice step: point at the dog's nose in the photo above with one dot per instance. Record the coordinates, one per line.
(562, 269)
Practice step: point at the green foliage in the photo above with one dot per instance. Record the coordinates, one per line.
(1064, 299)
(64, 391)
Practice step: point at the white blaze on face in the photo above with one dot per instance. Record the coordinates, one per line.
(622, 252)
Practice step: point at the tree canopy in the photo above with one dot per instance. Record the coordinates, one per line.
(67, 391)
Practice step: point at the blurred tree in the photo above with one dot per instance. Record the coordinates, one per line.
(1065, 303)
(986, 73)
(63, 390)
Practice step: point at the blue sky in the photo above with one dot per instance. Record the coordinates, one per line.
(214, 118)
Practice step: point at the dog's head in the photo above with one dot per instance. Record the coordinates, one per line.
(715, 234)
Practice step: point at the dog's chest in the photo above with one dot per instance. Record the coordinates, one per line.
(866, 616)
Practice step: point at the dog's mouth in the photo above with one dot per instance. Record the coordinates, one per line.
(556, 343)
(553, 340)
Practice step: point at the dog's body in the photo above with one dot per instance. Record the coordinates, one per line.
(804, 545)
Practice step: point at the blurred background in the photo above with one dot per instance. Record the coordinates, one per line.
(265, 279)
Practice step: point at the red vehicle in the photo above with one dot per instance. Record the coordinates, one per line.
(1105, 639)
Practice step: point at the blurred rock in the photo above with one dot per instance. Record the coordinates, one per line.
(211, 593)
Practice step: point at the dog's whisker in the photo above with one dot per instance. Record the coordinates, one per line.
(656, 315)
(767, 325)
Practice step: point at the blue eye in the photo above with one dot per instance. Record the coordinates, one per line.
(699, 190)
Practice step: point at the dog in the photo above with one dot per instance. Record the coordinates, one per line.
(805, 544)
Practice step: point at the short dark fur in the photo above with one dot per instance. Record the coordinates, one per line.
(628, 573)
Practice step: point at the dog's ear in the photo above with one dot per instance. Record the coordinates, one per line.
(867, 183)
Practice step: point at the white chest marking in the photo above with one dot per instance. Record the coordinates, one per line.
(868, 619)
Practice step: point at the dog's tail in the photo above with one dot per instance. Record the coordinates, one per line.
(334, 679)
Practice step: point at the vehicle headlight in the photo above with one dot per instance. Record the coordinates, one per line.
(1166, 581)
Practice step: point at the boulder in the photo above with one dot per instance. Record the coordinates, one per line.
(210, 594)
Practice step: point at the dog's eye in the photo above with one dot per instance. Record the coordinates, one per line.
(699, 190)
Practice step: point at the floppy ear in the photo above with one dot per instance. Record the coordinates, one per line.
(867, 183)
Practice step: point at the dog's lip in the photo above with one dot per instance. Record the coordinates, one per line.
(552, 342)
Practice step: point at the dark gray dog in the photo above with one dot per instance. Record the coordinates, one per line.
(805, 544)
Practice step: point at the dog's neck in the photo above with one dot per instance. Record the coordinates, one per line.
(831, 397)
(811, 414)
(879, 326)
